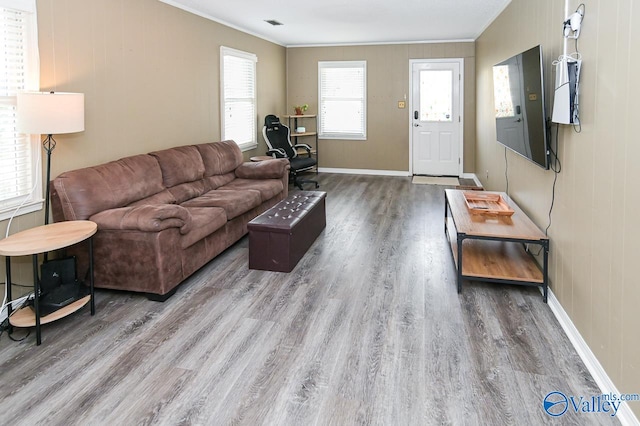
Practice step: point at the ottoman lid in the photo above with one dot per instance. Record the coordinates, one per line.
(285, 215)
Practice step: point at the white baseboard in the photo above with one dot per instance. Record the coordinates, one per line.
(401, 173)
(364, 172)
(472, 176)
(625, 415)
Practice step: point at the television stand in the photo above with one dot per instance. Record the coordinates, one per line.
(490, 248)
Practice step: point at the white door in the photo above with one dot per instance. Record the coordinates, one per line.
(436, 121)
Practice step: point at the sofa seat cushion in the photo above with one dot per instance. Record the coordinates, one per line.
(268, 188)
(205, 221)
(234, 203)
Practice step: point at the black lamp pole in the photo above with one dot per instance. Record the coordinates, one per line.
(48, 144)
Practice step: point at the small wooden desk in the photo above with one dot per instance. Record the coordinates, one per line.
(492, 246)
(259, 158)
(43, 239)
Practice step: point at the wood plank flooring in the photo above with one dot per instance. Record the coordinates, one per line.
(367, 329)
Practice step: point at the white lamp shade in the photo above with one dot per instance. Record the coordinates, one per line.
(50, 113)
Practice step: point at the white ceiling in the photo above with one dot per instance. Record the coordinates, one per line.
(330, 22)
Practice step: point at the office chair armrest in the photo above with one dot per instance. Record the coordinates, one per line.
(303, 146)
(278, 152)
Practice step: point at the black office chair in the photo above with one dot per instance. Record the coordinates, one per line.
(278, 138)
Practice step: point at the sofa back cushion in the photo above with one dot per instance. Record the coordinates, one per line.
(179, 165)
(87, 191)
(216, 181)
(188, 190)
(220, 157)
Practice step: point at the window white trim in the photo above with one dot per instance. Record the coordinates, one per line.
(246, 139)
(360, 131)
(32, 201)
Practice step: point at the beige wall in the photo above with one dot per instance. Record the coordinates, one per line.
(150, 73)
(595, 233)
(387, 144)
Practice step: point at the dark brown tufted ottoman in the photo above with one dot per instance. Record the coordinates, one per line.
(279, 237)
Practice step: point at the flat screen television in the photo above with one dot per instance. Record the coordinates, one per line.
(518, 90)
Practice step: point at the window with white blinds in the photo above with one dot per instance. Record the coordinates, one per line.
(20, 171)
(342, 94)
(238, 87)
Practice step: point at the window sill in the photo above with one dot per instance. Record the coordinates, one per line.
(343, 137)
(248, 147)
(25, 209)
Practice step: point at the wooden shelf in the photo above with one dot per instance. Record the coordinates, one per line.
(304, 151)
(500, 260)
(26, 317)
(307, 137)
(516, 226)
(259, 158)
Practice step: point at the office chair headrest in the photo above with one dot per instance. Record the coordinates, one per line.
(271, 121)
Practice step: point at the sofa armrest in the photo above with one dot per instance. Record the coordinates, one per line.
(146, 218)
(268, 169)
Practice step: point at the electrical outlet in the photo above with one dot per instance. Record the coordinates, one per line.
(487, 174)
(402, 104)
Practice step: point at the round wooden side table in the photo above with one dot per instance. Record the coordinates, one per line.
(258, 158)
(44, 239)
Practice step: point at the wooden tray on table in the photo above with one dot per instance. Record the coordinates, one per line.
(487, 204)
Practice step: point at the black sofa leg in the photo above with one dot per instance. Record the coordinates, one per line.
(161, 297)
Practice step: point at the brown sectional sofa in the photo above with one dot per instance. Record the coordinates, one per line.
(161, 216)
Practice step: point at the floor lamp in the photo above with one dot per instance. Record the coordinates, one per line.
(51, 113)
